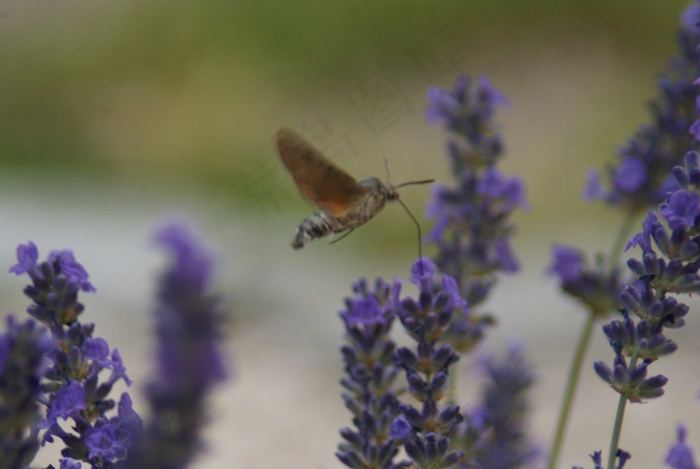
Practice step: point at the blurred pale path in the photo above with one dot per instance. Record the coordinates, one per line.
(115, 114)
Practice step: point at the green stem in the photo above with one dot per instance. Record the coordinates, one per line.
(575, 370)
(617, 427)
(572, 382)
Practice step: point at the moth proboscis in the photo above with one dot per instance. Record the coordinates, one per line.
(343, 203)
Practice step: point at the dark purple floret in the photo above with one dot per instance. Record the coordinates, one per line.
(103, 442)
(27, 256)
(68, 400)
(681, 209)
(73, 270)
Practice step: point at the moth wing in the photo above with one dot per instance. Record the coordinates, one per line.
(316, 177)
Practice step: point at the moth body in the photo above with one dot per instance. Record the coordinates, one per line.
(323, 223)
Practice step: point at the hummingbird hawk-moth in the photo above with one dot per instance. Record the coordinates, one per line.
(344, 203)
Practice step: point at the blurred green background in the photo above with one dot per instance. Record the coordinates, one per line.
(114, 113)
(165, 92)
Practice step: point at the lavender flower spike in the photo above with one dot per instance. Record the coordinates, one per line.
(472, 230)
(73, 388)
(371, 371)
(189, 359)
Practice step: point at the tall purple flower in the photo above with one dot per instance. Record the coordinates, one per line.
(189, 359)
(668, 267)
(427, 367)
(370, 374)
(471, 229)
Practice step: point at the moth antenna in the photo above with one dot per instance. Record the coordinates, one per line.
(415, 222)
(344, 235)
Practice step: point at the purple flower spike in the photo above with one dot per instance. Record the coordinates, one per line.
(471, 219)
(189, 359)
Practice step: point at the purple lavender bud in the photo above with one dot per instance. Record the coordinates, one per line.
(603, 370)
(351, 459)
(438, 384)
(651, 388)
(637, 374)
(444, 357)
(414, 417)
(415, 449)
(408, 358)
(417, 387)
